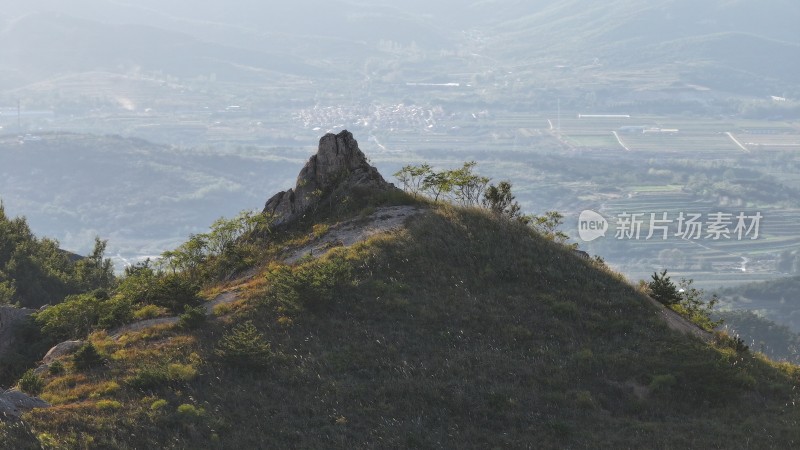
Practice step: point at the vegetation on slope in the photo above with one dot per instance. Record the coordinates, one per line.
(34, 271)
(465, 329)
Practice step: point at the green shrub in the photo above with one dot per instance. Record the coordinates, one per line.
(686, 300)
(78, 315)
(190, 412)
(724, 340)
(149, 378)
(108, 405)
(181, 372)
(74, 318)
(174, 292)
(158, 405)
(313, 285)
(114, 312)
(144, 286)
(56, 368)
(87, 357)
(30, 383)
(47, 440)
(192, 318)
(149, 312)
(244, 346)
(661, 383)
(584, 399)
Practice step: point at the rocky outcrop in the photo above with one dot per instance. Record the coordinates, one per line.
(10, 317)
(339, 166)
(14, 402)
(62, 349)
(59, 350)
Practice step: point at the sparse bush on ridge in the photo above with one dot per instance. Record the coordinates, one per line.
(683, 298)
(465, 188)
(228, 246)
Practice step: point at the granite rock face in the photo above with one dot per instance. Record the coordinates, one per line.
(62, 349)
(339, 166)
(14, 402)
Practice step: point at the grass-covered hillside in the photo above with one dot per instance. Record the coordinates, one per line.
(462, 329)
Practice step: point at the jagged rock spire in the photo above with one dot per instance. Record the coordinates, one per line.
(338, 167)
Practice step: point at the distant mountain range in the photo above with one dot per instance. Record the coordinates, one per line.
(741, 47)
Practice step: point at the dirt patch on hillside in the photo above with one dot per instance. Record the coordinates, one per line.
(348, 233)
(340, 235)
(678, 323)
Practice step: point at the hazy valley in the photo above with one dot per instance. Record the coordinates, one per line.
(142, 123)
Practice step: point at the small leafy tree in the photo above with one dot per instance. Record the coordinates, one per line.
(189, 256)
(500, 200)
(222, 249)
(71, 319)
(695, 305)
(663, 289)
(548, 226)
(413, 177)
(467, 187)
(96, 271)
(437, 183)
(174, 292)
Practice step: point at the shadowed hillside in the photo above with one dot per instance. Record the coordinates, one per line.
(460, 329)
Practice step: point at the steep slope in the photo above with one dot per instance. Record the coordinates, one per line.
(461, 329)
